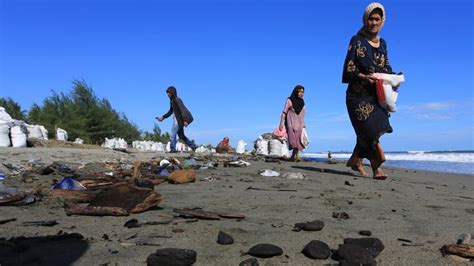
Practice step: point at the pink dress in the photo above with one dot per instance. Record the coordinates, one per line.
(294, 125)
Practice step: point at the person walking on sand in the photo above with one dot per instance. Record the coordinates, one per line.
(367, 54)
(292, 119)
(181, 119)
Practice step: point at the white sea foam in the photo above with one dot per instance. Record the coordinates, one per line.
(456, 157)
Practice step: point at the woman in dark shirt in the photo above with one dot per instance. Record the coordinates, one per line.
(367, 54)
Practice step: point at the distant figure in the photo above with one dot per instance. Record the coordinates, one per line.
(181, 118)
(329, 155)
(292, 119)
(367, 54)
(224, 146)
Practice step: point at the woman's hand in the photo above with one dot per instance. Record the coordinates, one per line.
(185, 124)
(159, 118)
(280, 127)
(369, 78)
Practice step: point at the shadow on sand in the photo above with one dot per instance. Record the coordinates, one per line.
(42, 250)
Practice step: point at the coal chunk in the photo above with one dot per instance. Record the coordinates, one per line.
(351, 254)
(309, 226)
(365, 233)
(317, 250)
(265, 251)
(373, 245)
(249, 262)
(172, 256)
(314, 226)
(224, 239)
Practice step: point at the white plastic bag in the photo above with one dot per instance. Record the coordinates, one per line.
(386, 95)
(4, 116)
(61, 134)
(304, 138)
(275, 148)
(241, 147)
(262, 146)
(4, 137)
(34, 132)
(18, 134)
(285, 152)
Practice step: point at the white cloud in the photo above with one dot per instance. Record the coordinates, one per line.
(434, 111)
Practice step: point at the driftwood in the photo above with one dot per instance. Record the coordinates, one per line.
(466, 251)
(12, 199)
(151, 201)
(207, 215)
(137, 168)
(75, 209)
(73, 195)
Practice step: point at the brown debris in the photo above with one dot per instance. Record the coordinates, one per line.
(182, 176)
(208, 215)
(75, 209)
(74, 195)
(466, 251)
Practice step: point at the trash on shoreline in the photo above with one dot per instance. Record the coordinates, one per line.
(117, 200)
(269, 173)
(182, 176)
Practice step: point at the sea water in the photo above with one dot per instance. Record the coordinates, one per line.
(460, 162)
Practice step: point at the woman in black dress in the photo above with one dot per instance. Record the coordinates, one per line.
(367, 54)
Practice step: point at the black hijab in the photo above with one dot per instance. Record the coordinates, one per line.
(298, 103)
(172, 90)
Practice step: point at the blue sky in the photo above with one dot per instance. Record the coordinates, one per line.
(235, 62)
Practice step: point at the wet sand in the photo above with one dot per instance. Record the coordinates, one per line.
(430, 209)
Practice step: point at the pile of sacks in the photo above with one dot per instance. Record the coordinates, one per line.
(148, 146)
(15, 132)
(115, 143)
(269, 145)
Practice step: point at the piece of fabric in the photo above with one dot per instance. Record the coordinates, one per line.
(297, 102)
(294, 125)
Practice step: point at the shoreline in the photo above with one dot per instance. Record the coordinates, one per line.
(430, 209)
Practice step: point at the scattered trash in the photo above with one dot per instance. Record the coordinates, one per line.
(189, 164)
(117, 200)
(68, 183)
(239, 163)
(265, 251)
(264, 189)
(171, 256)
(269, 173)
(294, 175)
(182, 176)
(317, 250)
(164, 162)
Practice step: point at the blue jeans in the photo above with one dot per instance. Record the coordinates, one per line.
(176, 129)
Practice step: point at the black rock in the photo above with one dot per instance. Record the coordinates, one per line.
(317, 250)
(224, 239)
(132, 223)
(249, 262)
(145, 183)
(365, 233)
(314, 226)
(265, 251)
(172, 256)
(298, 227)
(351, 254)
(373, 245)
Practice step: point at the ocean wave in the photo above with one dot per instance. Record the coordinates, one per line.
(409, 156)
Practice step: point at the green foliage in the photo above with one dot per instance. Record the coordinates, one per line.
(13, 108)
(156, 135)
(83, 115)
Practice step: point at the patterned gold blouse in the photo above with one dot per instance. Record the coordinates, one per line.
(366, 59)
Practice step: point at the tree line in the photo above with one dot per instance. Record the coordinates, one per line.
(83, 115)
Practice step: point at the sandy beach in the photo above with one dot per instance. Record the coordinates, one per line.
(414, 213)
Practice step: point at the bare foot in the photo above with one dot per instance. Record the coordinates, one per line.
(379, 174)
(360, 169)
